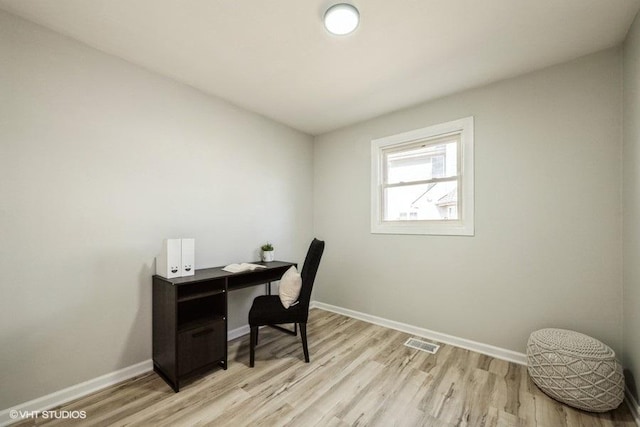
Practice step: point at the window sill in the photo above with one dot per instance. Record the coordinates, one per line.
(439, 228)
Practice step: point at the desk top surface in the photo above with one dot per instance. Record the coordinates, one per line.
(219, 273)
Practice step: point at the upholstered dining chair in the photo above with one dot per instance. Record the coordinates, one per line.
(268, 310)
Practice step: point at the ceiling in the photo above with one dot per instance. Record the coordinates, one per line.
(275, 57)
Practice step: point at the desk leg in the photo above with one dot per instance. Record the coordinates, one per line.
(268, 288)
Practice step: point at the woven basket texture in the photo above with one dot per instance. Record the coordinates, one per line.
(575, 369)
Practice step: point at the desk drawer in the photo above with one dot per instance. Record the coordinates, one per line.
(256, 277)
(200, 346)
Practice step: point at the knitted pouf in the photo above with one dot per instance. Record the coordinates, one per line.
(575, 369)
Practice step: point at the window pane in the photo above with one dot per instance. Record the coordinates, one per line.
(421, 202)
(422, 162)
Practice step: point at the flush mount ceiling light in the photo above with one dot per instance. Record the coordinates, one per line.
(341, 19)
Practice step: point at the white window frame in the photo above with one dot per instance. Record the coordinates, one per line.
(464, 225)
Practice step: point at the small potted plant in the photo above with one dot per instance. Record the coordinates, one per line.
(267, 252)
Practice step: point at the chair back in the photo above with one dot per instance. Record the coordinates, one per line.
(309, 270)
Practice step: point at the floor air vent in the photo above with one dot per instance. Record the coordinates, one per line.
(422, 345)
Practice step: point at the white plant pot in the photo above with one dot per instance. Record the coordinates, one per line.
(267, 256)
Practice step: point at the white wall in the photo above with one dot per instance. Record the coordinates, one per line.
(631, 202)
(99, 161)
(547, 249)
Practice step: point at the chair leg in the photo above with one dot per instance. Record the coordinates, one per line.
(252, 345)
(303, 333)
(257, 333)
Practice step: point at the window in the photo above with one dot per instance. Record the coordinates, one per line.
(422, 181)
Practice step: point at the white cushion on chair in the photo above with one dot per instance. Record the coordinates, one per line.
(290, 286)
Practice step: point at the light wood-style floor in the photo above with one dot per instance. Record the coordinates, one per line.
(360, 374)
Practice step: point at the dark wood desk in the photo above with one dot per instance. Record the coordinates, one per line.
(190, 318)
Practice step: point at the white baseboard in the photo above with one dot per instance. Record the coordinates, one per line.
(79, 390)
(238, 332)
(490, 350)
(633, 406)
(497, 352)
(74, 392)
(91, 386)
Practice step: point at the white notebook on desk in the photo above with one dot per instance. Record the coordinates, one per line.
(245, 266)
